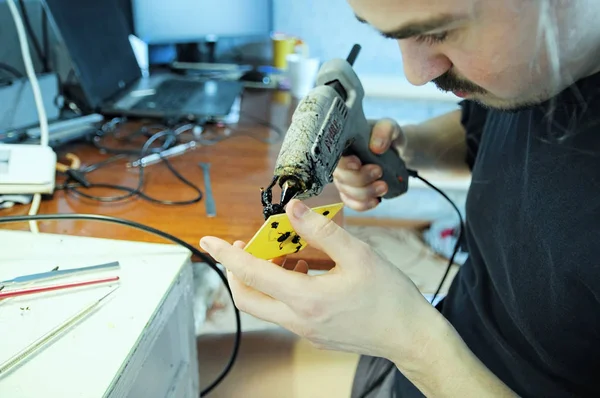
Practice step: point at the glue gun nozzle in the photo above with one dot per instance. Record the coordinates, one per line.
(289, 190)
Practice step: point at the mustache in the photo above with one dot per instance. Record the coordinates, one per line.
(449, 82)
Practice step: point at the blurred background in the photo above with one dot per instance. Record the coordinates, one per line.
(191, 34)
(93, 58)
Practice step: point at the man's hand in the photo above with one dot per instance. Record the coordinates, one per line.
(363, 305)
(358, 184)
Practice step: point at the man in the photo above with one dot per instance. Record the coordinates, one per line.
(521, 317)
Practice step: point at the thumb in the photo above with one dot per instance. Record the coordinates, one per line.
(383, 132)
(320, 232)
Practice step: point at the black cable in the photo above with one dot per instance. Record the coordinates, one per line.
(262, 122)
(12, 70)
(414, 174)
(168, 142)
(379, 380)
(132, 224)
(45, 40)
(75, 188)
(30, 32)
(131, 191)
(239, 131)
(137, 191)
(102, 163)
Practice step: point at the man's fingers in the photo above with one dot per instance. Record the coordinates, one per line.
(323, 233)
(372, 191)
(358, 205)
(261, 275)
(349, 163)
(289, 265)
(258, 304)
(301, 266)
(382, 135)
(280, 261)
(361, 178)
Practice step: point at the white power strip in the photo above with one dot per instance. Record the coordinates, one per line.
(27, 169)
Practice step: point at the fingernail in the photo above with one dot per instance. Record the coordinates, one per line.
(204, 244)
(380, 190)
(299, 209)
(353, 166)
(376, 173)
(378, 143)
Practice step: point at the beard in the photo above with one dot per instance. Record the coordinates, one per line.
(449, 82)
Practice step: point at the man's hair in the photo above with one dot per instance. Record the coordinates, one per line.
(549, 47)
(548, 39)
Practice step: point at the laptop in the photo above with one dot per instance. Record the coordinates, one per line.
(96, 36)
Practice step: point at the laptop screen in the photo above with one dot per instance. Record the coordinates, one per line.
(96, 35)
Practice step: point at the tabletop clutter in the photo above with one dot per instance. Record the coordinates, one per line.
(35, 286)
(292, 55)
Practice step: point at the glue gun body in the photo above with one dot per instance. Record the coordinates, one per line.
(328, 124)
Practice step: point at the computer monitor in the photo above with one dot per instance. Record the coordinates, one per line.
(192, 21)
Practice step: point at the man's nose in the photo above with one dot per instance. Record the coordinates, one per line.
(422, 63)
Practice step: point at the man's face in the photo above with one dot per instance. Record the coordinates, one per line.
(485, 50)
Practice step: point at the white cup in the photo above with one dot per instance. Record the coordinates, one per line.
(302, 74)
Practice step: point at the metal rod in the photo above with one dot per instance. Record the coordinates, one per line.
(44, 289)
(209, 200)
(58, 274)
(55, 332)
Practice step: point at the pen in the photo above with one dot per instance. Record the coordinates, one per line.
(156, 157)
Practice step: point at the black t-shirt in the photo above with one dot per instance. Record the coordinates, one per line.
(527, 301)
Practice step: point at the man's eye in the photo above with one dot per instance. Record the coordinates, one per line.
(432, 39)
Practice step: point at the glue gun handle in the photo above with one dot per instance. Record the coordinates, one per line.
(394, 169)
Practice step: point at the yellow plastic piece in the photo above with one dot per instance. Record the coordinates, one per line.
(277, 238)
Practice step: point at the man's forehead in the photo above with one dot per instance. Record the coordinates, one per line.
(388, 15)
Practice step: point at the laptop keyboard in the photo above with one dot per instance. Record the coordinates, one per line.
(170, 95)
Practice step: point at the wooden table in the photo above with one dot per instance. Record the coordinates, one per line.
(240, 166)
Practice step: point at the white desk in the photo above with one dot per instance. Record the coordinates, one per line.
(139, 343)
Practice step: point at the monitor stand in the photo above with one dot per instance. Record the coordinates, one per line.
(190, 52)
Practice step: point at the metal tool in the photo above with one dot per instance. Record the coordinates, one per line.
(209, 200)
(50, 275)
(51, 335)
(168, 153)
(327, 124)
(45, 289)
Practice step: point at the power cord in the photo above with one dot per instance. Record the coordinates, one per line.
(37, 94)
(237, 130)
(109, 129)
(77, 187)
(36, 44)
(390, 366)
(132, 224)
(14, 72)
(171, 135)
(461, 235)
